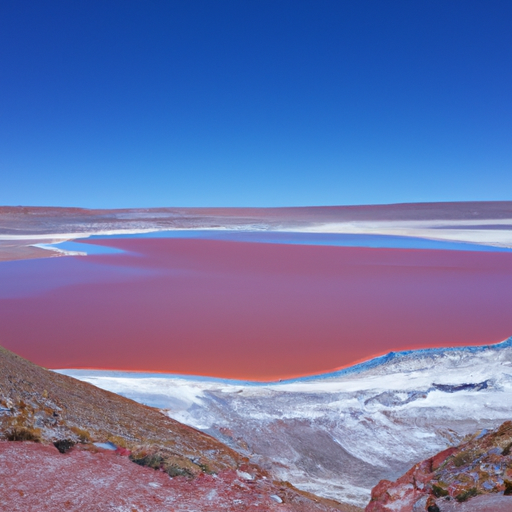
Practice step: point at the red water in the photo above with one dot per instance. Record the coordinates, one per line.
(249, 310)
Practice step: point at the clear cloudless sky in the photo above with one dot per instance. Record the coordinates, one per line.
(125, 103)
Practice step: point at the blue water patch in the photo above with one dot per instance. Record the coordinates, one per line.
(85, 248)
(327, 239)
(106, 446)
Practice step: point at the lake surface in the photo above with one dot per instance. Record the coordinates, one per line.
(251, 305)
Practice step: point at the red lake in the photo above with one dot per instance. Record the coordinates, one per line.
(245, 310)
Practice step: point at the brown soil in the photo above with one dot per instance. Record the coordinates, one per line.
(59, 407)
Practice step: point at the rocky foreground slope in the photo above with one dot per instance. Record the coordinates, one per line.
(37, 478)
(58, 465)
(475, 476)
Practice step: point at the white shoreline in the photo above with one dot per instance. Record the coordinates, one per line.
(48, 247)
(439, 230)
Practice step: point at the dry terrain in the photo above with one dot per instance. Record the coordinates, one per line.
(475, 476)
(50, 461)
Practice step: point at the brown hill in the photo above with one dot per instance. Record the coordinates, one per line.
(473, 477)
(48, 408)
(44, 405)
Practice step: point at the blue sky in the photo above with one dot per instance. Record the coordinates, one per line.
(254, 103)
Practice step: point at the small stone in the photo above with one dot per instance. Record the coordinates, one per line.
(244, 475)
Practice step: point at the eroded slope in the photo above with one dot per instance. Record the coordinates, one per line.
(40, 406)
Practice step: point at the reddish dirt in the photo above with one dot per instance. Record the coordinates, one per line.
(12, 250)
(37, 478)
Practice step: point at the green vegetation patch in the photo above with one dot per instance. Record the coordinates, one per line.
(439, 492)
(466, 495)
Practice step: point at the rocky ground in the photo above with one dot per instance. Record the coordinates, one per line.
(48, 459)
(475, 476)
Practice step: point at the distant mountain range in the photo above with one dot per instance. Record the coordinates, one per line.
(487, 223)
(338, 434)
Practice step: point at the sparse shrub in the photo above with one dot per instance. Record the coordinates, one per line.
(181, 466)
(438, 491)
(173, 466)
(83, 435)
(19, 433)
(154, 460)
(118, 441)
(205, 468)
(465, 495)
(463, 458)
(172, 470)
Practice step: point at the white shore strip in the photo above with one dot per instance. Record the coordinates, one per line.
(62, 252)
(479, 231)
